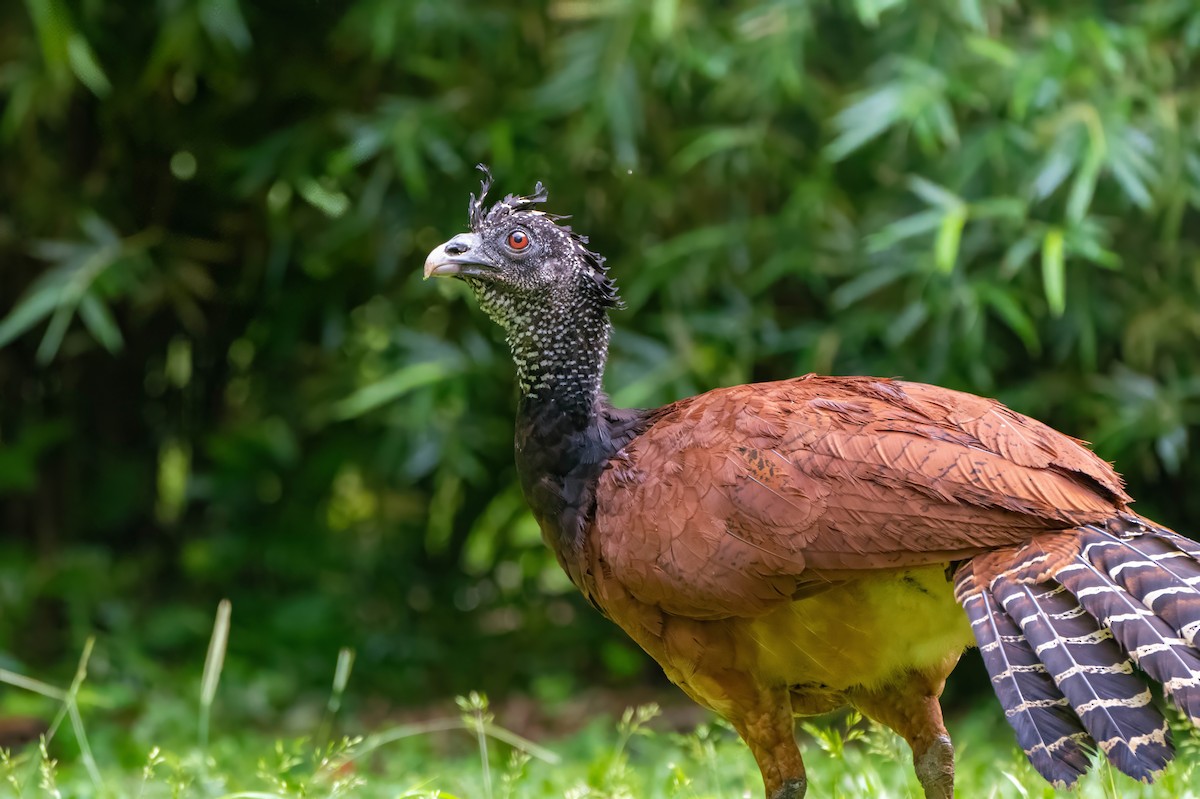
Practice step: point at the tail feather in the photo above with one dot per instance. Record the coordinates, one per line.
(1047, 729)
(1151, 641)
(1094, 675)
(1183, 543)
(1061, 625)
(1157, 568)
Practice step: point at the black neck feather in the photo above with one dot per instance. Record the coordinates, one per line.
(560, 457)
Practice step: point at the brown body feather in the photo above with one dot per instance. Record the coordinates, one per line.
(774, 486)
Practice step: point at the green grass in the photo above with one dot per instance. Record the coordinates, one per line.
(187, 743)
(613, 759)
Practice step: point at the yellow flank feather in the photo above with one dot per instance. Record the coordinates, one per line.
(864, 632)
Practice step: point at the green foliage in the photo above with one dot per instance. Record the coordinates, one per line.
(222, 375)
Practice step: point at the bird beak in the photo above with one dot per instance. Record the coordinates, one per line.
(458, 257)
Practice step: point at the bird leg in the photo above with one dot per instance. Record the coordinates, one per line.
(911, 709)
(769, 729)
(706, 660)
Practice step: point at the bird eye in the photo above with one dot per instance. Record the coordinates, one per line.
(518, 239)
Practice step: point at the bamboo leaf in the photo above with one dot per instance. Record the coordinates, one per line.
(100, 323)
(1018, 254)
(224, 22)
(999, 208)
(1009, 309)
(945, 249)
(906, 228)
(993, 50)
(934, 194)
(972, 13)
(1054, 278)
(713, 142)
(29, 311)
(98, 229)
(392, 387)
(869, 11)
(868, 117)
(868, 283)
(1131, 169)
(330, 202)
(1084, 185)
(55, 331)
(85, 66)
(1053, 172)
(904, 325)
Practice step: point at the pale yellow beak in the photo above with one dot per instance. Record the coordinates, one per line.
(457, 258)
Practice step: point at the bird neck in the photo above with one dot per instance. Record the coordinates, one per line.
(559, 348)
(562, 448)
(566, 430)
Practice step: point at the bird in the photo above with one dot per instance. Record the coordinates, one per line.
(789, 548)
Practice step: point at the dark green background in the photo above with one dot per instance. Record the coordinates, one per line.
(222, 375)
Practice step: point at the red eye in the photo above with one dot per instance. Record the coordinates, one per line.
(518, 240)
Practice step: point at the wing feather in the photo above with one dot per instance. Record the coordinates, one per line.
(757, 490)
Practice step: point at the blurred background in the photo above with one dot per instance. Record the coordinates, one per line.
(222, 376)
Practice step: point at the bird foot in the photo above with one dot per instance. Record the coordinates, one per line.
(792, 789)
(935, 769)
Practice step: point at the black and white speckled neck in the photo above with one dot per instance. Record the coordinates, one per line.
(559, 342)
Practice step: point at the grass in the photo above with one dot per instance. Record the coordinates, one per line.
(171, 747)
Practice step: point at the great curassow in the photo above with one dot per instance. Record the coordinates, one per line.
(788, 548)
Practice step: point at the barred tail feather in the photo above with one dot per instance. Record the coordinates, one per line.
(1047, 728)
(1128, 593)
(1183, 543)
(1155, 565)
(1152, 643)
(1097, 679)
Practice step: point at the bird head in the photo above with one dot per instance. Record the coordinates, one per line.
(518, 258)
